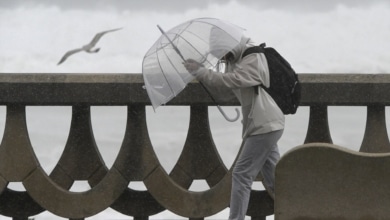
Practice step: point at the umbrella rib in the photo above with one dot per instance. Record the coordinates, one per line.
(185, 29)
(174, 67)
(162, 36)
(189, 43)
(211, 24)
(166, 79)
(179, 35)
(178, 52)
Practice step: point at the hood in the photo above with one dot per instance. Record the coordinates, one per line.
(238, 50)
(222, 43)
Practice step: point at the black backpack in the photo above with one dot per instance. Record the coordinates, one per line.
(285, 87)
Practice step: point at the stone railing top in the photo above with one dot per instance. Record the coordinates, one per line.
(70, 78)
(125, 89)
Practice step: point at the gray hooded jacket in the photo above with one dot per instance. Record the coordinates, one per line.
(260, 112)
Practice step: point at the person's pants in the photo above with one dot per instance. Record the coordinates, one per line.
(259, 153)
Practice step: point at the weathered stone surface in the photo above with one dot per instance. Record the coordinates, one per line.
(324, 181)
(75, 205)
(343, 185)
(122, 89)
(17, 159)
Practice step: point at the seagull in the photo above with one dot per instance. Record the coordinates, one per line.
(88, 47)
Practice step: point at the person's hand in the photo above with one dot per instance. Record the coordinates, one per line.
(192, 65)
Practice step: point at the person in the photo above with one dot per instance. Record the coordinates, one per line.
(262, 123)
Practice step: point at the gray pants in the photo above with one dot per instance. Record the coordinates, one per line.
(259, 154)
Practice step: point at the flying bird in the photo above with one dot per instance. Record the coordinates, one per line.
(88, 47)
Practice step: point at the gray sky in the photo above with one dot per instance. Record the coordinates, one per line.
(179, 5)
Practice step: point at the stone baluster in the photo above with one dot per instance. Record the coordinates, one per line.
(318, 129)
(375, 138)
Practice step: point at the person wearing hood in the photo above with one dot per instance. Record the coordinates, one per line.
(263, 121)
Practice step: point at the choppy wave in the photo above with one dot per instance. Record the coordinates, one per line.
(341, 39)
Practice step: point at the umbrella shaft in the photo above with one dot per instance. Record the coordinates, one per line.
(208, 93)
(170, 41)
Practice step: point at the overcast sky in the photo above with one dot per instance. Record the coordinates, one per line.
(179, 5)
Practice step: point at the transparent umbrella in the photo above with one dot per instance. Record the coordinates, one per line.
(163, 71)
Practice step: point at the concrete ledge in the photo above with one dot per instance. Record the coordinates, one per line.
(124, 89)
(324, 181)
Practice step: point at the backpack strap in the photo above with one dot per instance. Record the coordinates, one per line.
(255, 49)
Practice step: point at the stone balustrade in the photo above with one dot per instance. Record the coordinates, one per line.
(137, 161)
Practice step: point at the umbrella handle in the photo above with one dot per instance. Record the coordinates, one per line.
(226, 117)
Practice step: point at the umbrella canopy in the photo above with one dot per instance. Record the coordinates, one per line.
(164, 73)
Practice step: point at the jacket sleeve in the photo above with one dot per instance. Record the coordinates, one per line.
(252, 70)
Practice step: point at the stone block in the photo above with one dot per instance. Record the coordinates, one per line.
(324, 181)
